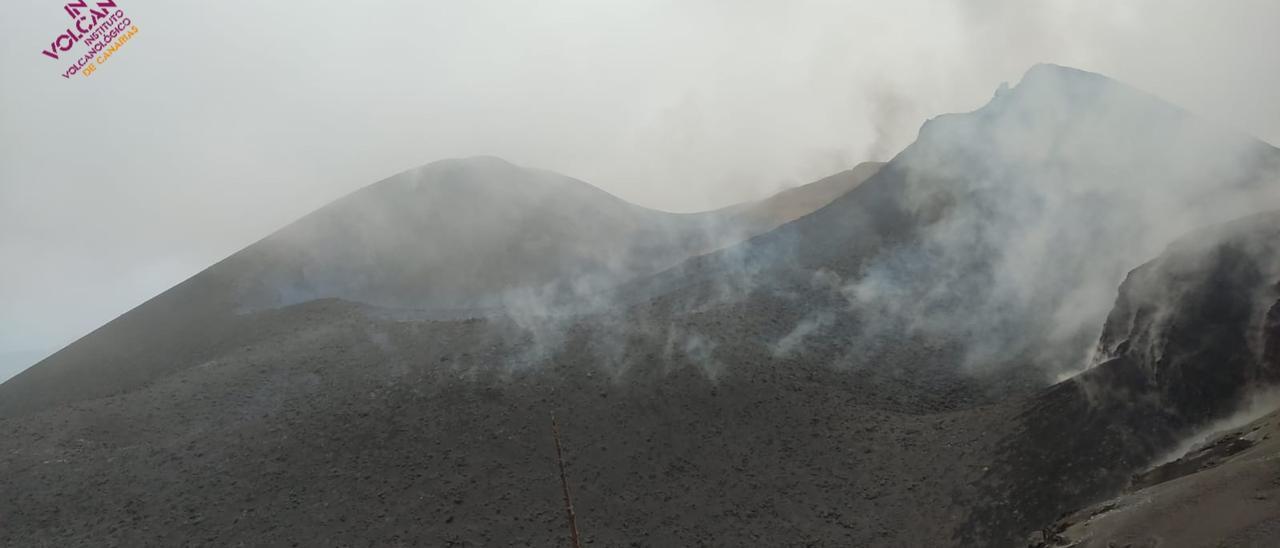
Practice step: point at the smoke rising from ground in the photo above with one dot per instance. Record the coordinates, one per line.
(1043, 200)
(224, 132)
(1020, 219)
(1253, 406)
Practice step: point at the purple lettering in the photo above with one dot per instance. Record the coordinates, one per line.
(72, 10)
(69, 40)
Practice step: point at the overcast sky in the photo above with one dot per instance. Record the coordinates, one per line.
(222, 121)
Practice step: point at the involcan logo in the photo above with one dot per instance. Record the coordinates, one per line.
(101, 26)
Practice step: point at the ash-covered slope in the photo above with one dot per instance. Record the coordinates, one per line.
(462, 234)
(335, 427)
(455, 238)
(340, 429)
(794, 203)
(483, 233)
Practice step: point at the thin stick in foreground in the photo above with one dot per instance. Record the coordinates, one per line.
(564, 485)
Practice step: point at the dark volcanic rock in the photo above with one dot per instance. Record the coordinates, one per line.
(1199, 322)
(342, 430)
(1191, 334)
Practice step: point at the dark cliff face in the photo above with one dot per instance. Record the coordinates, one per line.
(1191, 334)
(1199, 323)
(1271, 346)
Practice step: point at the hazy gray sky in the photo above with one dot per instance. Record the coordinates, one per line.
(222, 121)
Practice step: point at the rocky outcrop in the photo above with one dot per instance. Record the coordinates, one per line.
(1192, 333)
(1201, 323)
